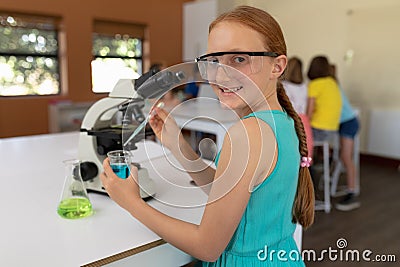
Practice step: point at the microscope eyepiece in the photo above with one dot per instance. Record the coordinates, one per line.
(159, 83)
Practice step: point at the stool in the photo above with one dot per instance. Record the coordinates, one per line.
(326, 204)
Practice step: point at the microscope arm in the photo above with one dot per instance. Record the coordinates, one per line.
(101, 112)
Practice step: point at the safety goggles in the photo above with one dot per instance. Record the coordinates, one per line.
(245, 62)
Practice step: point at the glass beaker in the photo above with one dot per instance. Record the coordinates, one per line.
(119, 162)
(74, 202)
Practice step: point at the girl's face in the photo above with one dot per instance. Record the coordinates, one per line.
(253, 87)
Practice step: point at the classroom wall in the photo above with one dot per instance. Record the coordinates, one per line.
(369, 28)
(29, 115)
(226, 5)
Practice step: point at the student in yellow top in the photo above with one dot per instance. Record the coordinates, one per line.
(324, 100)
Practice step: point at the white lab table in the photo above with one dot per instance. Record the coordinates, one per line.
(205, 115)
(32, 233)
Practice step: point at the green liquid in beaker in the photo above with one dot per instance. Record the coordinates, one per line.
(74, 208)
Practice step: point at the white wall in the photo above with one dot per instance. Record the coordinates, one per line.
(196, 18)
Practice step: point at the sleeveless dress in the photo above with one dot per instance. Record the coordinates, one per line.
(266, 227)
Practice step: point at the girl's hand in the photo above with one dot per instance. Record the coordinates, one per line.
(165, 128)
(124, 192)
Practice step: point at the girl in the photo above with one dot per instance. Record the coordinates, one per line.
(295, 87)
(255, 195)
(324, 100)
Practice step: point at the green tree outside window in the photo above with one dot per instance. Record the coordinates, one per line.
(115, 57)
(29, 62)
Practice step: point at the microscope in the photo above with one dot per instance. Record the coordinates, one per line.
(111, 121)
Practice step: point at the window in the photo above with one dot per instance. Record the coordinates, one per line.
(117, 52)
(29, 63)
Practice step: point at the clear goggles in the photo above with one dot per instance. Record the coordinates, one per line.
(245, 62)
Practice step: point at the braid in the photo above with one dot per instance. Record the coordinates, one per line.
(298, 124)
(303, 208)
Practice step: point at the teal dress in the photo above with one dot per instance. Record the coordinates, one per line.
(266, 227)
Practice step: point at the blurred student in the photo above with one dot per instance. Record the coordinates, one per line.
(348, 128)
(324, 100)
(296, 90)
(191, 90)
(294, 84)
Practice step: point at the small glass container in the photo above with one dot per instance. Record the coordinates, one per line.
(120, 162)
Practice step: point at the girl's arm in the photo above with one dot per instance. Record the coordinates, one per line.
(247, 152)
(310, 107)
(166, 130)
(199, 171)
